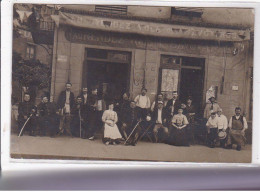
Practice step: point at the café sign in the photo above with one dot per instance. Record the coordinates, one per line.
(152, 28)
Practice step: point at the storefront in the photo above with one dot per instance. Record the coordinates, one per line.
(125, 55)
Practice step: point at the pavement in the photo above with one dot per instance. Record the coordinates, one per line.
(63, 147)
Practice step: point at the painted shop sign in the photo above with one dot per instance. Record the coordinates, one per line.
(117, 40)
(152, 29)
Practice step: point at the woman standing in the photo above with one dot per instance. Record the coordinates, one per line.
(111, 131)
(179, 129)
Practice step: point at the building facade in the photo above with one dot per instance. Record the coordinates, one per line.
(126, 48)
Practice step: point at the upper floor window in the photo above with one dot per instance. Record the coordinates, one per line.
(30, 51)
(186, 13)
(112, 9)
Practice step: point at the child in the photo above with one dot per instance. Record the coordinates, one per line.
(212, 126)
(111, 131)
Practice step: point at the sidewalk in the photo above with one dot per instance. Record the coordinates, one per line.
(76, 148)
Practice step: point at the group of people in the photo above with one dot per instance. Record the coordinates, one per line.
(170, 122)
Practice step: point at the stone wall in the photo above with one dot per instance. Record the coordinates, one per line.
(145, 63)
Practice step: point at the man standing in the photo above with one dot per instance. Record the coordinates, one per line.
(65, 103)
(238, 126)
(92, 113)
(84, 96)
(211, 106)
(172, 106)
(25, 110)
(155, 103)
(222, 126)
(159, 117)
(47, 115)
(143, 103)
(78, 124)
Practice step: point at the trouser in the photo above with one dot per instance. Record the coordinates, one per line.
(236, 137)
(142, 113)
(159, 127)
(136, 129)
(47, 126)
(212, 136)
(30, 126)
(65, 121)
(93, 123)
(222, 142)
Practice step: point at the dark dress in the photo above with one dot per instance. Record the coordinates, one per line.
(191, 120)
(179, 137)
(47, 119)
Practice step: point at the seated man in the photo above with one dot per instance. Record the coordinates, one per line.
(237, 126)
(129, 122)
(155, 103)
(25, 110)
(47, 117)
(222, 127)
(212, 125)
(159, 117)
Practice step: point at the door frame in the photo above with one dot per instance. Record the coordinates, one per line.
(180, 67)
(128, 63)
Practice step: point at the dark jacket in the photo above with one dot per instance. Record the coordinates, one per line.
(62, 99)
(83, 100)
(25, 108)
(124, 105)
(46, 109)
(131, 116)
(177, 105)
(83, 110)
(154, 114)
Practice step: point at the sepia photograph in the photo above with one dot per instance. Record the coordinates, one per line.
(132, 83)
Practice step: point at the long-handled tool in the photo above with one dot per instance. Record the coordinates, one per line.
(132, 131)
(79, 123)
(24, 125)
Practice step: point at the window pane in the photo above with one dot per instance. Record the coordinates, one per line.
(170, 79)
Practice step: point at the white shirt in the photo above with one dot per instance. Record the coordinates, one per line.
(67, 102)
(85, 96)
(212, 123)
(67, 97)
(142, 101)
(244, 121)
(159, 118)
(222, 122)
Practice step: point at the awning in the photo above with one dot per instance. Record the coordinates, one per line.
(151, 28)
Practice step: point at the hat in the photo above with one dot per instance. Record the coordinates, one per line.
(175, 92)
(212, 97)
(220, 110)
(212, 112)
(222, 134)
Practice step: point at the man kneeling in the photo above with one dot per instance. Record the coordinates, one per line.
(159, 117)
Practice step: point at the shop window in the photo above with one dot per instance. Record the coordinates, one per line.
(30, 51)
(112, 9)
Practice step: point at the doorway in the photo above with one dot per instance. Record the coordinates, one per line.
(108, 70)
(185, 75)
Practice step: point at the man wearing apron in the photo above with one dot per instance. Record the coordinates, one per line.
(238, 126)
